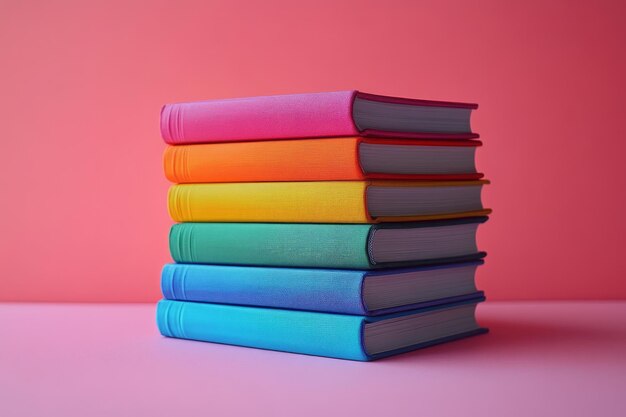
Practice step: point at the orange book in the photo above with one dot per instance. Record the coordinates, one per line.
(325, 159)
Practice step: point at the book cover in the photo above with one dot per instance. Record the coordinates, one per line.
(328, 114)
(301, 245)
(323, 290)
(298, 202)
(328, 159)
(321, 334)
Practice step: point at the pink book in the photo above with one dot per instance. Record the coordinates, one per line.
(314, 115)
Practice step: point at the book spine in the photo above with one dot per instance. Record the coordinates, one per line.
(283, 202)
(320, 334)
(259, 118)
(331, 291)
(332, 159)
(271, 244)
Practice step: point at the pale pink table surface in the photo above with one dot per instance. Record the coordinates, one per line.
(541, 358)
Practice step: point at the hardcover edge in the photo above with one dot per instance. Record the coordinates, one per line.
(480, 330)
(429, 223)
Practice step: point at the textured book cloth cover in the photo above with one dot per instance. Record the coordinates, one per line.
(293, 202)
(331, 159)
(321, 334)
(342, 246)
(324, 290)
(281, 117)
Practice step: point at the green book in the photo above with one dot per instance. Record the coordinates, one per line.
(343, 246)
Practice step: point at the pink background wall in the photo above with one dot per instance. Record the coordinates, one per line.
(83, 215)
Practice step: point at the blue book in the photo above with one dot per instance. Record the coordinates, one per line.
(359, 292)
(340, 336)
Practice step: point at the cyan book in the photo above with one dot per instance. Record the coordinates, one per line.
(359, 292)
(340, 336)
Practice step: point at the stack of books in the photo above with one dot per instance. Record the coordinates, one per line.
(336, 224)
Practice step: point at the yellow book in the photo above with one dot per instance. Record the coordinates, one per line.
(326, 201)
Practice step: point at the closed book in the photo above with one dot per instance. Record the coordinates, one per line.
(341, 246)
(340, 336)
(360, 292)
(326, 201)
(330, 159)
(330, 114)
